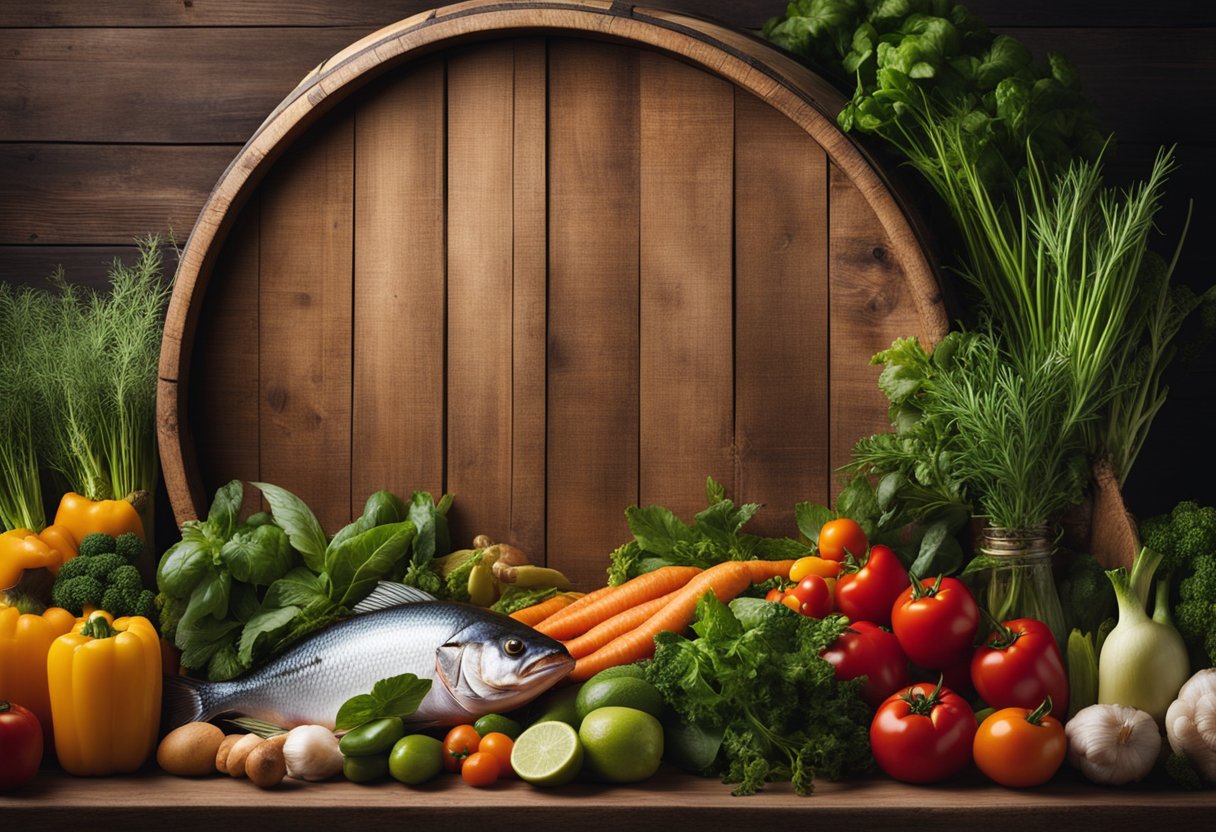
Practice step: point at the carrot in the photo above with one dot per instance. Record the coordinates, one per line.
(629, 594)
(725, 579)
(762, 570)
(537, 613)
(622, 622)
(589, 598)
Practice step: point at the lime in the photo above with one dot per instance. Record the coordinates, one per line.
(415, 759)
(547, 754)
(622, 745)
(623, 691)
(558, 706)
(634, 671)
(497, 724)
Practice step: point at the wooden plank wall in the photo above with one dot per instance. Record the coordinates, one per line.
(117, 118)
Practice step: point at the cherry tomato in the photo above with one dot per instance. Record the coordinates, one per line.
(814, 596)
(822, 567)
(922, 734)
(840, 537)
(868, 593)
(20, 745)
(458, 745)
(1018, 747)
(480, 769)
(935, 622)
(775, 595)
(499, 746)
(866, 649)
(1018, 665)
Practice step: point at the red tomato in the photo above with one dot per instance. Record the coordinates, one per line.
(922, 734)
(1019, 665)
(20, 746)
(935, 622)
(840, 537)
(775, 595)
(866, 649)
(868, 593)
(1019, 748)
(499, 746)
(458, 745)
(814, 596)
(480, 769)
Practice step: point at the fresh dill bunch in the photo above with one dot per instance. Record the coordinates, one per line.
(20, 490)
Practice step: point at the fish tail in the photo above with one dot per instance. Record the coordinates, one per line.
(186, 700)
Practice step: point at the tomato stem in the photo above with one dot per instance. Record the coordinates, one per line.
(919, 590)
(1005, 635)
(1035, 717)
(920, 704)
(5, 706)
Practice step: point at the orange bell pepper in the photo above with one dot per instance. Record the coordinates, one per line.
(105, 685)
(21, 550)
(82, 517)
(25, 641)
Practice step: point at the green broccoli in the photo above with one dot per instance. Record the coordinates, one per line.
(105, 581)
(1086, 594)
(129, 546)
(97, 543)
(170, 611)
(1186, 539)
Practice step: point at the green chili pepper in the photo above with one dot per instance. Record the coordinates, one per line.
(375, 737)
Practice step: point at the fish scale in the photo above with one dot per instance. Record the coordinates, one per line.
(309, 683)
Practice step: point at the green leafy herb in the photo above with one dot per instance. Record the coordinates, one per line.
(515, 598)
(20, 488)
(398, 696)
(301, 525)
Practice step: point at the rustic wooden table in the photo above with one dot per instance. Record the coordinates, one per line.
(670, 801)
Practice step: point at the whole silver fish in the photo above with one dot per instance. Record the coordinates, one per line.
(479, 662)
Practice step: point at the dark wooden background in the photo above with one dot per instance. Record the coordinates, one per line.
(117, 118)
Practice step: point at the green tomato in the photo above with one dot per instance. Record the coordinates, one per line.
(415, 759)
(364, 769)
(375, 737)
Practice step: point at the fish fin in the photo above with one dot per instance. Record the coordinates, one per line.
(183, 701)
(257, 726)
(388, 594)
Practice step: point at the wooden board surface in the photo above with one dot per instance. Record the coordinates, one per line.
(670, 800)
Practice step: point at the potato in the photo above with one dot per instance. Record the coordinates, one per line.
(266, 766)
(189, 751)
(221, 756)
(240, 750)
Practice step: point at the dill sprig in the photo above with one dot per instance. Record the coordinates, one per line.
(20, 490)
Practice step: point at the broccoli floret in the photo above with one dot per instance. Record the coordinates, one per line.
(129, 546)
(74, 568)
(73, 594)
(1185, 534)
(1086, 594)
(120, 601)
(126, 577)
(1195, 613)
(170, 611)
(96, 544)
(100, 566)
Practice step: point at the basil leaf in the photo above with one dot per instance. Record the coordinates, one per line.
(225, 664)
(301, 525)
(259, 555)
(715, 492)
(243, 603)
(210, 597)
(940, 553)
(810, 518)
(225, 509)
(657, 530)
(299, 587)
(432, 528)
(182, 566)
(398, 696)
(384, 507)
(357, 564)
(359, 526)
(200, 639)
(263, 628)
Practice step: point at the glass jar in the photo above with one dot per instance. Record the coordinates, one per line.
(1019, 579)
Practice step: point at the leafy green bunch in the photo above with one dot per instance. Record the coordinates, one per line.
(754, 672)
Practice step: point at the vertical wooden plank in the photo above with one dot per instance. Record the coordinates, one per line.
(527, 529)
(686, 315)
(225, 377)
(480, 125)
(781, 299)
(592, 460)
(870, 307)
(397, 441)
(305, 328)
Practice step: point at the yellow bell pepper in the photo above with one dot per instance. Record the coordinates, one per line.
(105, 685)
(83, 517)
(24, 643)
(22, 550)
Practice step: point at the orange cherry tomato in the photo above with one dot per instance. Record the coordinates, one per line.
(480, 769)
(840, 537)
(499, 746)
(822, 567)
(792, 601)
(1018, 747)
(775, 595)
(459, 744)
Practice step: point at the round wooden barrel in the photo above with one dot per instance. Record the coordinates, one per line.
(557, 258)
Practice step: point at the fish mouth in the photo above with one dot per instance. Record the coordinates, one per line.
(552, 663)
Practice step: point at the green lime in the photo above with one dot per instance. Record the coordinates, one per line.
(622, 691)
(690, 747)
(622, 745)
(365, 769)
(497, 723)
(547, 754)
(632, 671)
(415, 759)
(559, 706)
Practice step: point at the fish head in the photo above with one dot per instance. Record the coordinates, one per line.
(494, 666)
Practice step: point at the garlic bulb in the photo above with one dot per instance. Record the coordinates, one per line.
(1190, 723)
(312, 753)
(1113, 744)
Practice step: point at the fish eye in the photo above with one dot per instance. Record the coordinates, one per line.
(513, 646)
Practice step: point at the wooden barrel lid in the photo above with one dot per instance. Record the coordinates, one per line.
(558, 258)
